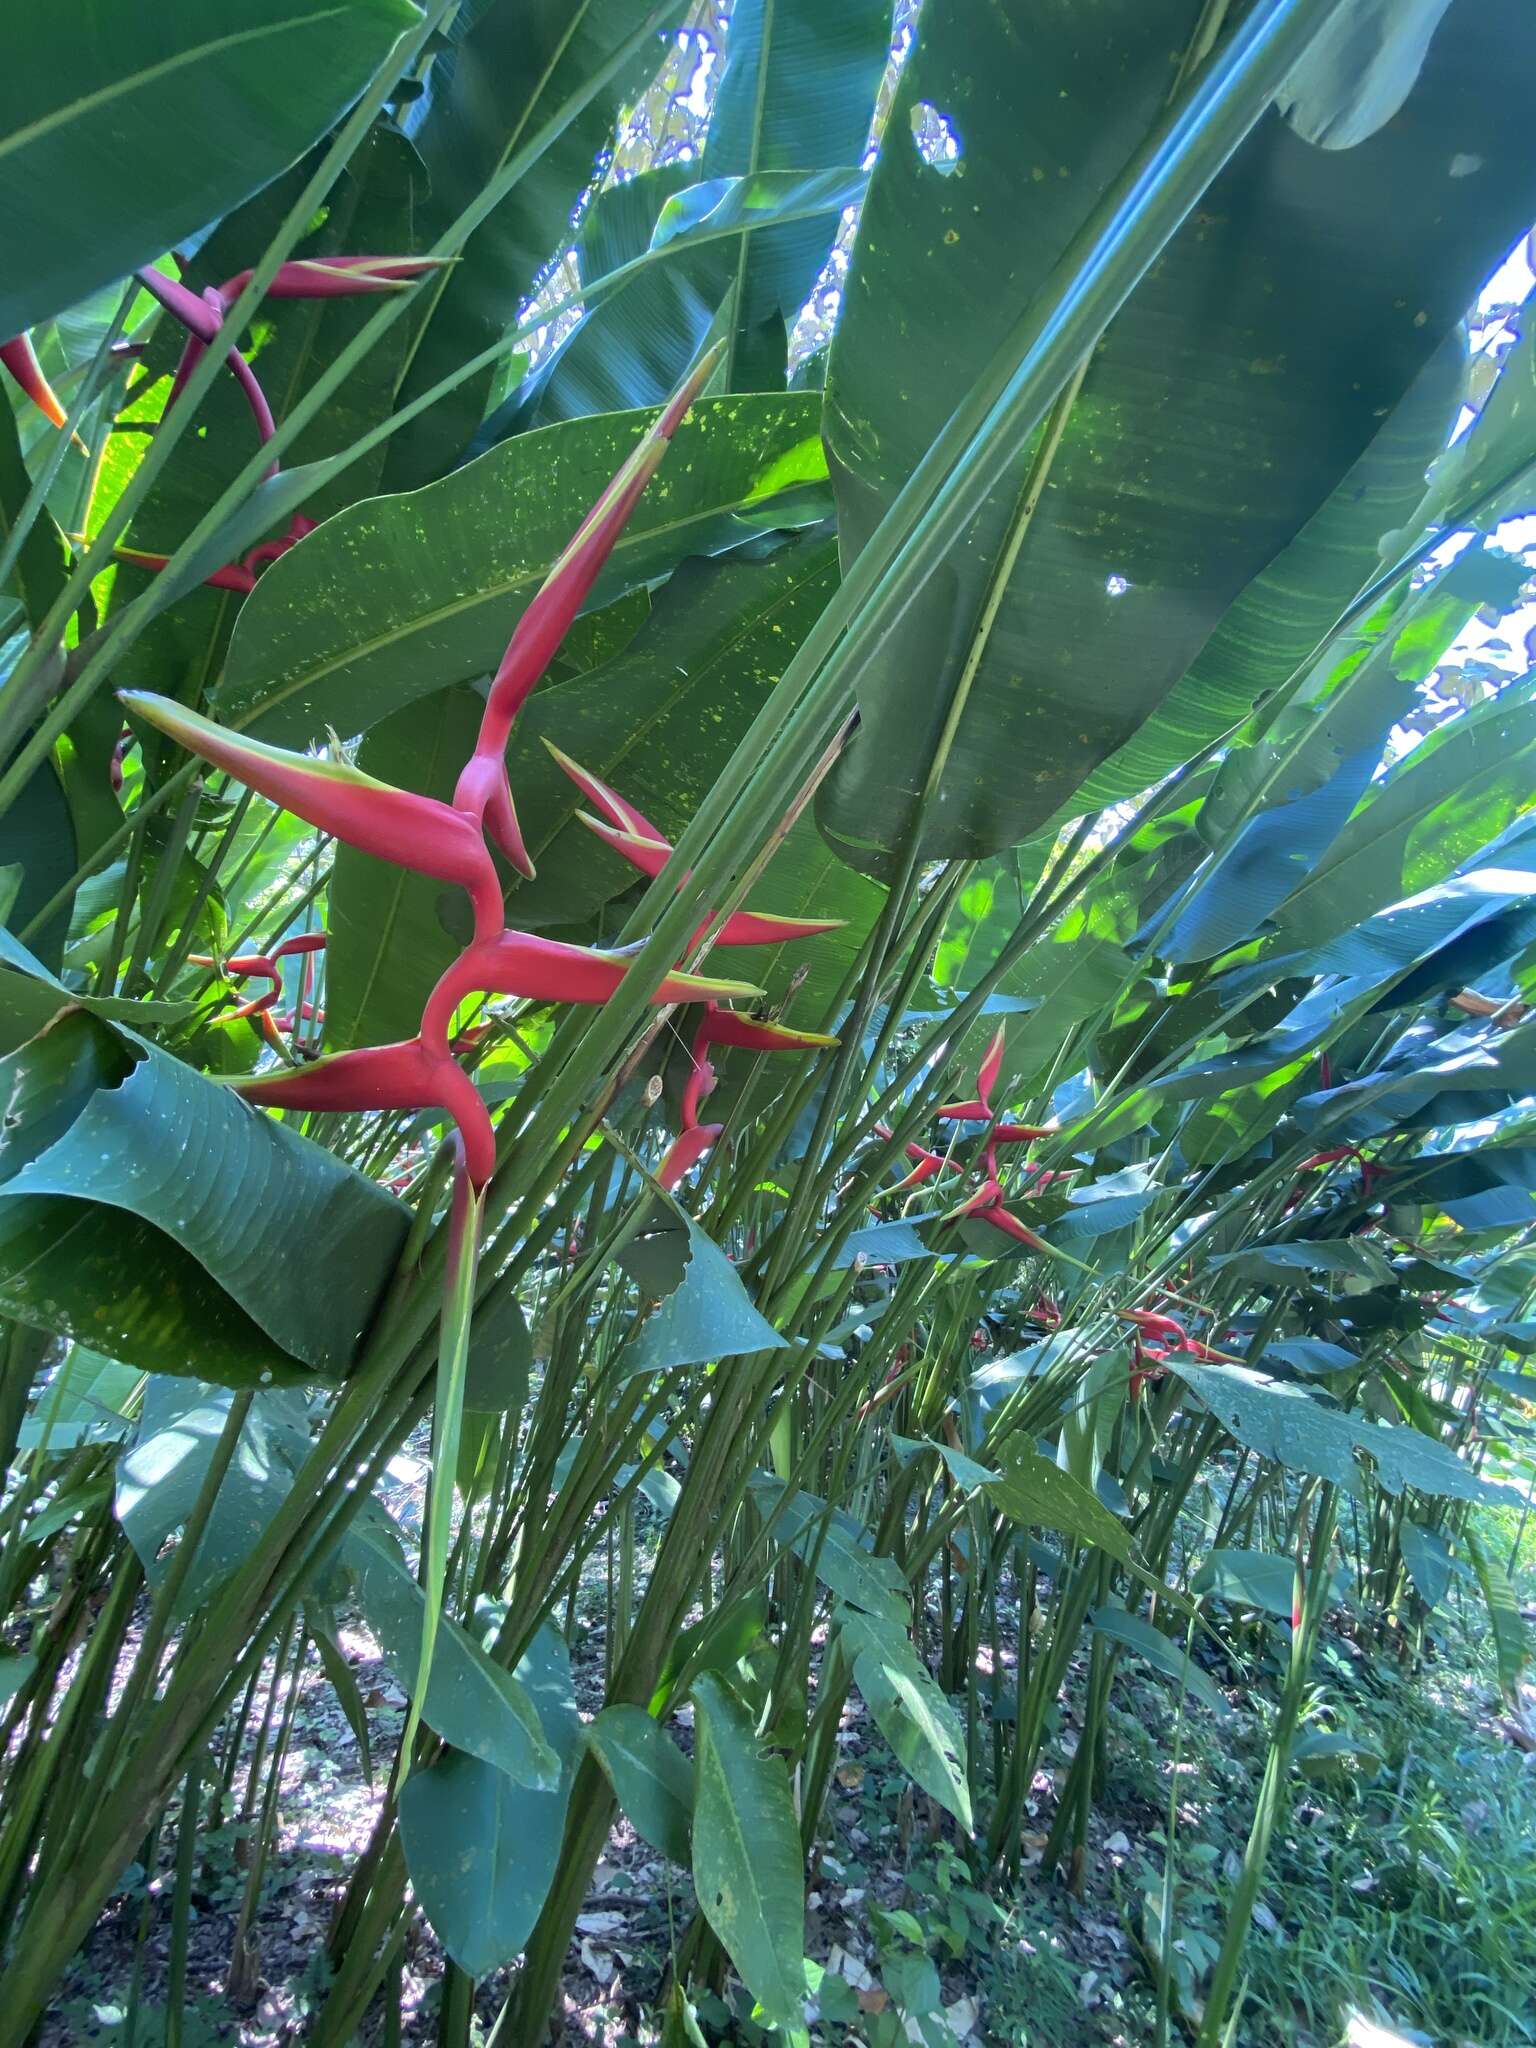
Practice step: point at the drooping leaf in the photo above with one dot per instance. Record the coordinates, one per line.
(910, 1710)
(1138, 1635)
(161, 1475)
(709, 1316)
(1511, 1644)
(797, 94)
(650, 1776)
(747, 1865)
(482, 1850)
(1257, 1578)
(840, 1549)
(149, 1210)
(1036, 1492)
(513, 67)
(239, 91)
(470, 1702)
(1427, 1560)
(1283, 1421)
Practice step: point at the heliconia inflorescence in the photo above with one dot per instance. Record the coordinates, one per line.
(987, 1202)
(447, 841)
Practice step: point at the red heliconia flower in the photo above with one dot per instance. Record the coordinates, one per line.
(548, 971)
(483, 791)
(1141, 1371)
(632, 835)
(393, 824)
(242, 967)
(20, 358)
(986, 1080)
(756, 1034)
(986, 1206)
(337, 277)
(403, 1076)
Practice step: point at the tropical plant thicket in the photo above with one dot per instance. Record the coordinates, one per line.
(740, 776)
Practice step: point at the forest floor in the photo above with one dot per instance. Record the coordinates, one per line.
(1399, 1906)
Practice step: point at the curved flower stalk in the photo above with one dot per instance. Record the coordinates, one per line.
(730, 1028)
(203, 314)
(694, 1139)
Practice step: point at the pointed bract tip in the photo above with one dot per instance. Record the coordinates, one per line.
(20, 358)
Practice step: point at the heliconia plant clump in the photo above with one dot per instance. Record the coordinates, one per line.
(769, 1023)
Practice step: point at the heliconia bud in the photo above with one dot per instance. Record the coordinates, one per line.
(1022, 1134)
(20, 358)
(402, 1076)
(991, 1064)
(334, 277)
(1149, 1324)
(757, 1034)
(396, 825)
(241, 967)
(929, 1166)
(685, 1152)
(549, 971)
(189, 307)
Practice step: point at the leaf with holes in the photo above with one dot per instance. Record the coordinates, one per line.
(748, 1870)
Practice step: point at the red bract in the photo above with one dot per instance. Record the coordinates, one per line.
(20, 359)
(337, 277)
(549, 971)
(632, 835)
(685, 1152)
(393, 824)
(756, 1034)
(402, 1076)
(483, 789)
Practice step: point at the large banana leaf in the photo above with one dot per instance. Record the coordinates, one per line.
(398, 597)
(147, 1210)
(798, 94)
(1248, 373)
(513, 70)
(124, 129)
